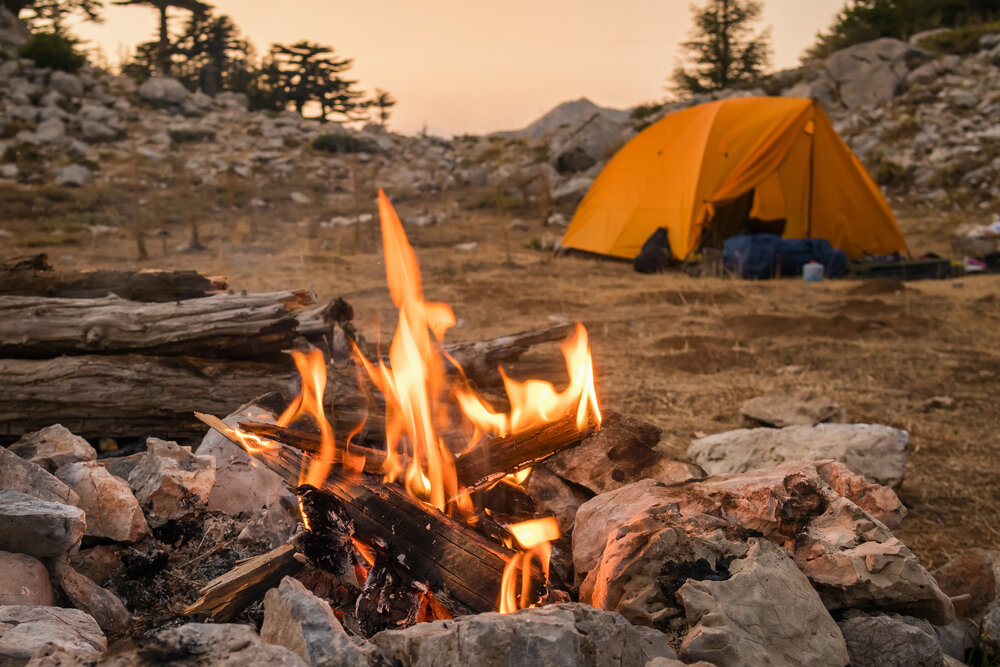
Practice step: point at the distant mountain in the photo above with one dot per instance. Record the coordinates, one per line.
(567, 113)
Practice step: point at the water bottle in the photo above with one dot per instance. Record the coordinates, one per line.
(812, 272)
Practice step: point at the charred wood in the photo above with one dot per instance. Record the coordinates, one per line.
(479, 359)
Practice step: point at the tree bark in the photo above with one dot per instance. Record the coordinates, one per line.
(235, 326)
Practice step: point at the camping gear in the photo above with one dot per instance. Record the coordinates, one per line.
(762, 256)
(680, 171)
(812, 272)
(655, 254)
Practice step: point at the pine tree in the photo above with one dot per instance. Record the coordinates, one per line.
(51, 15)
(307, 72)
(165, 52)
(382, 101)
(725, 51)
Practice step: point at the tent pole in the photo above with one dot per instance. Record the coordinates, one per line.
(812, 158)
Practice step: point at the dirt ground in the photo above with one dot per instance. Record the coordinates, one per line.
(680, 352)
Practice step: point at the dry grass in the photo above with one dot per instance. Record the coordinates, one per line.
(680, 352)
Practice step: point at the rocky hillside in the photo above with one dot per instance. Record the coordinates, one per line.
(926, 127)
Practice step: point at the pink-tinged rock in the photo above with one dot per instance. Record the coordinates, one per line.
(25, 629)
(24, 581)
(53, 447)
(38, 527)
(171, 482)
(103, 605)
(31, 479)
(112, 510)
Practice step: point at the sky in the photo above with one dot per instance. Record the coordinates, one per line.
(468, 66)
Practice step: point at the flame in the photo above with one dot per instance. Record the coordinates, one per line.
(312, 368)
(537, 402)
(414, 382)
(252, 443)
(535, 537)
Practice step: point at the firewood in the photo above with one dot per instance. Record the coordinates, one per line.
(33, 276)
(124, 396)
(479, 359)
(476, 469)
(234, 326)
(226, 596)
(462, 567)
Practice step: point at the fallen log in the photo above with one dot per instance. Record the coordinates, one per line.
(232, 326)
(229, 594)
(33, 276)
(477, 468)
(124, 396)
(479, 359)
(462, 567)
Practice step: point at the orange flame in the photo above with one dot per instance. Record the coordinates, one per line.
(536, 402)
(535, 537)
(312, 368)
(414, 381)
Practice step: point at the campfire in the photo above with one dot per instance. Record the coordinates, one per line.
(417, 531)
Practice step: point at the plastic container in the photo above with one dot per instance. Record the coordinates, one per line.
(813, 272)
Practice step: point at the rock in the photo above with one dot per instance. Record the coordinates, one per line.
(72, 175)
(24, 630)
(112, 511)
(53, 447)
(554, 496)
(781, 409)
(29, 478)
(98, 563)
(889, 641)
(649, 558)
(275, 524)
(989, 633)
(938, 403)
(38, 527)
(974, 578)
(564, 634)
(306, 625)
(573, 190)
(619, 454)
(122, 466)
(171, 482)
(66, 84)
(299, 198)
(517, 225)
(874, 451)
(50, 130)
(163, 90)
(242, 486)
(763, 612)
(231, 100)
(103, 605)
(579, 148)
(871, 73)
(25, 581)
(204, 644)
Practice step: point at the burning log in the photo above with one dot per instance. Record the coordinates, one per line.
(231, 326)
(33, 276)
(226, 596)
(477, 469)
(112, 396)
(479, 359)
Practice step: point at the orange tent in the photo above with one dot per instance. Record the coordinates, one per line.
(678, 170)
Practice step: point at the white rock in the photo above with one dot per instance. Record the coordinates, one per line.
(170, 482)
(112, 510)
(73, 175)
(299, 198)
(51, 130)
(164, 90)
(66, 84)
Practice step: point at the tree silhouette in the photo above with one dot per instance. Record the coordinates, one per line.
(163, 57)
(382, 101)
(51, 15)
(214, 53)
(724, 49)
(306, 72)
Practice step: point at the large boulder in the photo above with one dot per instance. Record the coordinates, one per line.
(762, 612)
(25, 629)
(872, 73)
(161, 90)
(582, 146)
(306, 625)
(53, 446)
(38, 527)
(877, 452)
(566, 634)
(25, 581)
(112, 510)
(171, 482)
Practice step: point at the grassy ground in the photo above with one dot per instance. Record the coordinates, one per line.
(678, 351)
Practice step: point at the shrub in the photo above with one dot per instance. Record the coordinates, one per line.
(891, 174)
(960, 41)
(187, 136)
(343, 143)
(53, 50)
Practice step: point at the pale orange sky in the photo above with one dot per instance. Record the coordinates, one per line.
(471, 66)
